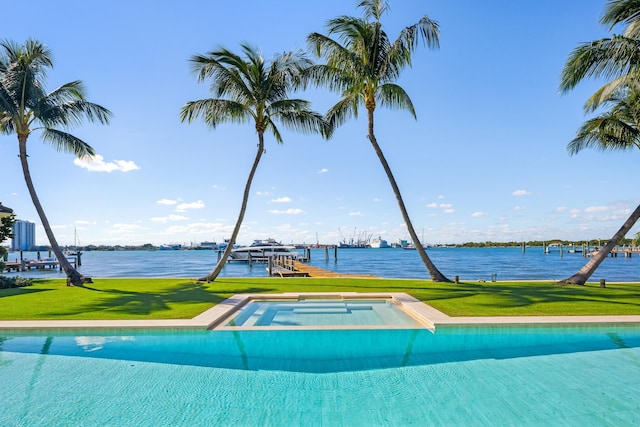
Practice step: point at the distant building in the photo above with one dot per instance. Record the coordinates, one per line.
(209, 245)
(24, 236)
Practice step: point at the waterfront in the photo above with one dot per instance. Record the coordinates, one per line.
(470, 264)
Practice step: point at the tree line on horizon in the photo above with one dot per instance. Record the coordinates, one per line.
(360, 62)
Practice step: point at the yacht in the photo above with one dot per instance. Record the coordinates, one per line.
(260, 250)
(379, 243)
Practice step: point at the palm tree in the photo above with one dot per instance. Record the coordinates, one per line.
(250, 90)
(616, 129)
(25, 107)
(363, 69)
(616, 58)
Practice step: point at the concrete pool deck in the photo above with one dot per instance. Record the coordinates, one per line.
(214, 317)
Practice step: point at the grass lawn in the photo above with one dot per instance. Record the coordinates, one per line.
(171, 298)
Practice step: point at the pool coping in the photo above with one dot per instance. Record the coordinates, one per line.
(430, 317)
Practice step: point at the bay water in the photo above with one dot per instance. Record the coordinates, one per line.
(469, 264)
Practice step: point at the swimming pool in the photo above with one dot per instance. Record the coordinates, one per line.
(318, 312)
(579, 375)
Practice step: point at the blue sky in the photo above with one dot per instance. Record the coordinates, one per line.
(485, 160)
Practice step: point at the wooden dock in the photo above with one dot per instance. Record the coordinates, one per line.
(31, 264)
(295, 268)
(626, 252)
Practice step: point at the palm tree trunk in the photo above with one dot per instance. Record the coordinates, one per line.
(581, 277)
(435, 274)
(245, 198)
(73, 276)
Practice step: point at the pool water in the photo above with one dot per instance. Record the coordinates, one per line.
(455, 376)
(317, 312)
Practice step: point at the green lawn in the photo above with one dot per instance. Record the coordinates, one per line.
(170, 298)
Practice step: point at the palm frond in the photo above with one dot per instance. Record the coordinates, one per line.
(621, 11)
(63, 141)
(296, 115)
(215, 111)
(373, 9)
(343, 110)
(395, 97)
(605, 58)
(616, 129)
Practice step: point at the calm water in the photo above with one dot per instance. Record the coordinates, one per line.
(457, 377)
(470, 264)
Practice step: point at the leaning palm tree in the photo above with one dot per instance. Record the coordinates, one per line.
(616, 58)
(248, 90)
(26, 107)
(616, 129)
(363, 69)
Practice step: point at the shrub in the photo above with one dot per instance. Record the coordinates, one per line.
(14, 282)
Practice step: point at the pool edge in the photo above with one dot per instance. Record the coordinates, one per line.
(422, 312)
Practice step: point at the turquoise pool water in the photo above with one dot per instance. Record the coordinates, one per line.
(397, 377)
(318, 312)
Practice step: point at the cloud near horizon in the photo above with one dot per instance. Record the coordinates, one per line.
(193, 205)
(519, 193)
(169, 218)
(167, 202)
(592, 209)
(291, 211)
(97, 164)
(126, 228)
(281, 200)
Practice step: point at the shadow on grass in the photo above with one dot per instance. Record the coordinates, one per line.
(504, 296)
(10, 292)
(21, 291)
(147, 303)
(187, 298)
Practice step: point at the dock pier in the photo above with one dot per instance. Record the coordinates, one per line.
(29, 264)
(290, 267)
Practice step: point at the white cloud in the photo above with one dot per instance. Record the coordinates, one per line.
(593, 209)
(281, 200)
(519, 208)
(432, 205)
(323, 170)
(477, 214)
(377, 200)
(169, 218)
(166, 202)
(290, 211)
(126, 228)
(97, 164)
(449, 210)
(193, 205)
(358, 213)
(561, 209)
(519, 193)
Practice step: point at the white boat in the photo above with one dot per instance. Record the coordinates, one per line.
(261, 250)
(379, 243)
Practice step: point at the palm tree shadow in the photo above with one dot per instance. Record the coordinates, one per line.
(148, 303)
